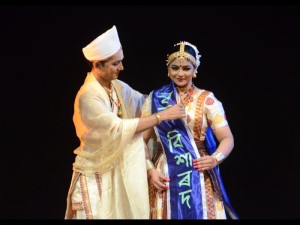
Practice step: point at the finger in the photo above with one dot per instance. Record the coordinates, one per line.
(163, 186)
(164, 178)
(157, 187)
(160, 185)
(196, 164)
(195, 160)
(200, 166)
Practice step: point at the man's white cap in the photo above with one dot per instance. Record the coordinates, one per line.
(103, 46)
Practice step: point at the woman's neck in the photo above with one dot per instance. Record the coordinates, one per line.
(184, 89)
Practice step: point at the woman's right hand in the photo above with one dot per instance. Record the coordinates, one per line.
(158, 180)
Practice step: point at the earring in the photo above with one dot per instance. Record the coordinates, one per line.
(168, 75)
(194, 75)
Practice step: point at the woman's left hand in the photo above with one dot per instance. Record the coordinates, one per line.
(205, 163)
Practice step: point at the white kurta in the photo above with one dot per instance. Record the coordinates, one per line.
(110, 178)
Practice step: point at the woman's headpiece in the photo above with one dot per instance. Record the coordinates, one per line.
(185, 54)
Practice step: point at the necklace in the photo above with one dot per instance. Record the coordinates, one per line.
(187, 96)
(113, 102)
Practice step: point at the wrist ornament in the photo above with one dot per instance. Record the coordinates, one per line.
(219, 157)
(157, 118)
(149, 164)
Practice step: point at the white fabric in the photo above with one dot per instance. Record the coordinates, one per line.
(110, 147)
(103, 46)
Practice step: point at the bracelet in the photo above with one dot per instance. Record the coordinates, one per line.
(219, 157)
(149, 164)
(157, 118)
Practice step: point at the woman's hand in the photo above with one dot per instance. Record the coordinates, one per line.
(205, 163)
(158, 180)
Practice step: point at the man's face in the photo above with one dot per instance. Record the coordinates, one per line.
(111, 67)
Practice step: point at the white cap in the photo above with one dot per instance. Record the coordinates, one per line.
(103, 46)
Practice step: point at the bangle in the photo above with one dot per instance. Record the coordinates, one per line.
(219, 157)
(149, 164)
(157, 118)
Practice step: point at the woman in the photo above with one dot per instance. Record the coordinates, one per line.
(186, 183)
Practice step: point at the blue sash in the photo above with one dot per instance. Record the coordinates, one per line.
(211, 146)
(185, 189)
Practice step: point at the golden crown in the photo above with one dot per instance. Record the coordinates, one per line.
(181, 54)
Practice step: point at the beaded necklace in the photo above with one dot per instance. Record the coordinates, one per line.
(113, 102)
(188, 95)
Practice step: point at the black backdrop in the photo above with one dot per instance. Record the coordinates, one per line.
(250, 60)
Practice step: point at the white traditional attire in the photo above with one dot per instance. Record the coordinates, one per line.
(109, 179)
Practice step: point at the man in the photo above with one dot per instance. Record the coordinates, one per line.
(109, 173)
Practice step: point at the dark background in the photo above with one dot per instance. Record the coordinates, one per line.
(250, 60)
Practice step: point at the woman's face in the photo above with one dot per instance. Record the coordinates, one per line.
(181, 72)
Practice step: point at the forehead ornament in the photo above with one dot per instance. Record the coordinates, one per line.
(181, 54)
